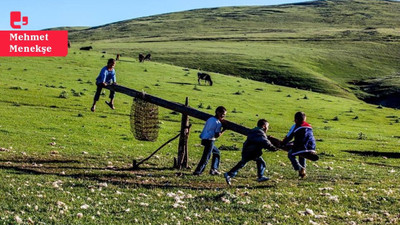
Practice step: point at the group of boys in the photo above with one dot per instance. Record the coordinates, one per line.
(256, 140)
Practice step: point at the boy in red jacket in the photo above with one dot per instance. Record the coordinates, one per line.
(304, 142)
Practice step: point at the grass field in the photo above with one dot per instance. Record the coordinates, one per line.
(62, 164)
(327, 46)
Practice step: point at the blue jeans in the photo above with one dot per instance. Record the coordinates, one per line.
(209, 148)
(297, 164)
(260, 166)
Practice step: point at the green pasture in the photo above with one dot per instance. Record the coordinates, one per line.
(327, 46)
(62, 164)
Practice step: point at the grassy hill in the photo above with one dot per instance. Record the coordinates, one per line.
(327, 46)
(62, 164)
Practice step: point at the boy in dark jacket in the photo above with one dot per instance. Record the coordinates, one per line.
(304, 142)
(252, 150)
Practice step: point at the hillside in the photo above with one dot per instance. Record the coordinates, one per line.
(332, 47)
(62, 164)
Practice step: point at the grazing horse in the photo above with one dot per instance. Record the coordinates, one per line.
(147, 57)
(141, 57)
(204, 76)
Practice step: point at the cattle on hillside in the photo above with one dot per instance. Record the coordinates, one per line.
(147, 57)
(86, 48)
(141, 57)
(204, 76)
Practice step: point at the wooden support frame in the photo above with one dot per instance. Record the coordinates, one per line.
(181, 162)
(186, 111)
(136, 164)
(183, 153)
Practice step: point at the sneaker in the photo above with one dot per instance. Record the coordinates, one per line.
(196, 173)
(214, 172)
(262, 179)
(228, 179)
(93, 108)
(302, 173)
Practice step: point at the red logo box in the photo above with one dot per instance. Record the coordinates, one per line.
(34, 43)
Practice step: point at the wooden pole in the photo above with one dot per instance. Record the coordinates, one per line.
(136, 164)
(178, 107)
(182, 161)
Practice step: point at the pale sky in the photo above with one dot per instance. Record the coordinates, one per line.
(44, 14)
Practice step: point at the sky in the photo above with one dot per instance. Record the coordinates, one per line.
(44, 14)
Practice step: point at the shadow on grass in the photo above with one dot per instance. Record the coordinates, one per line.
(393, 155)
(143, 177)
(35, 160)
(124, 60)
(381, 164)
(70, 109)
(181, 83)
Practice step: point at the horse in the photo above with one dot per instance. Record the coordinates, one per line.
(118, 55)
(147, 57)
(204, 76)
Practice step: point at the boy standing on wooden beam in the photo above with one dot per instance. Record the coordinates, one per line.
(211, 131)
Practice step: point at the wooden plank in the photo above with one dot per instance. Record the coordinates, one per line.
(178, 107)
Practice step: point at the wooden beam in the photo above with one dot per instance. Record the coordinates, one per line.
(178, 107)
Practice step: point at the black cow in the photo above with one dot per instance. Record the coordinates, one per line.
(147, 57)
(118, 55)
(86, 48)
(141, 57)
(204, 76)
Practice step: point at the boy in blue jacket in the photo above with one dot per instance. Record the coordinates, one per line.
(304, 142)
(252, 150)
(211, 131)
(106, 77)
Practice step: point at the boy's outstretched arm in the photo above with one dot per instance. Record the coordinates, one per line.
(285, 140)
(268, 145)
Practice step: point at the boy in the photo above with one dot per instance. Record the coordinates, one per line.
(252, 150)
(211, 131)
(106, 77)
(304, 141)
